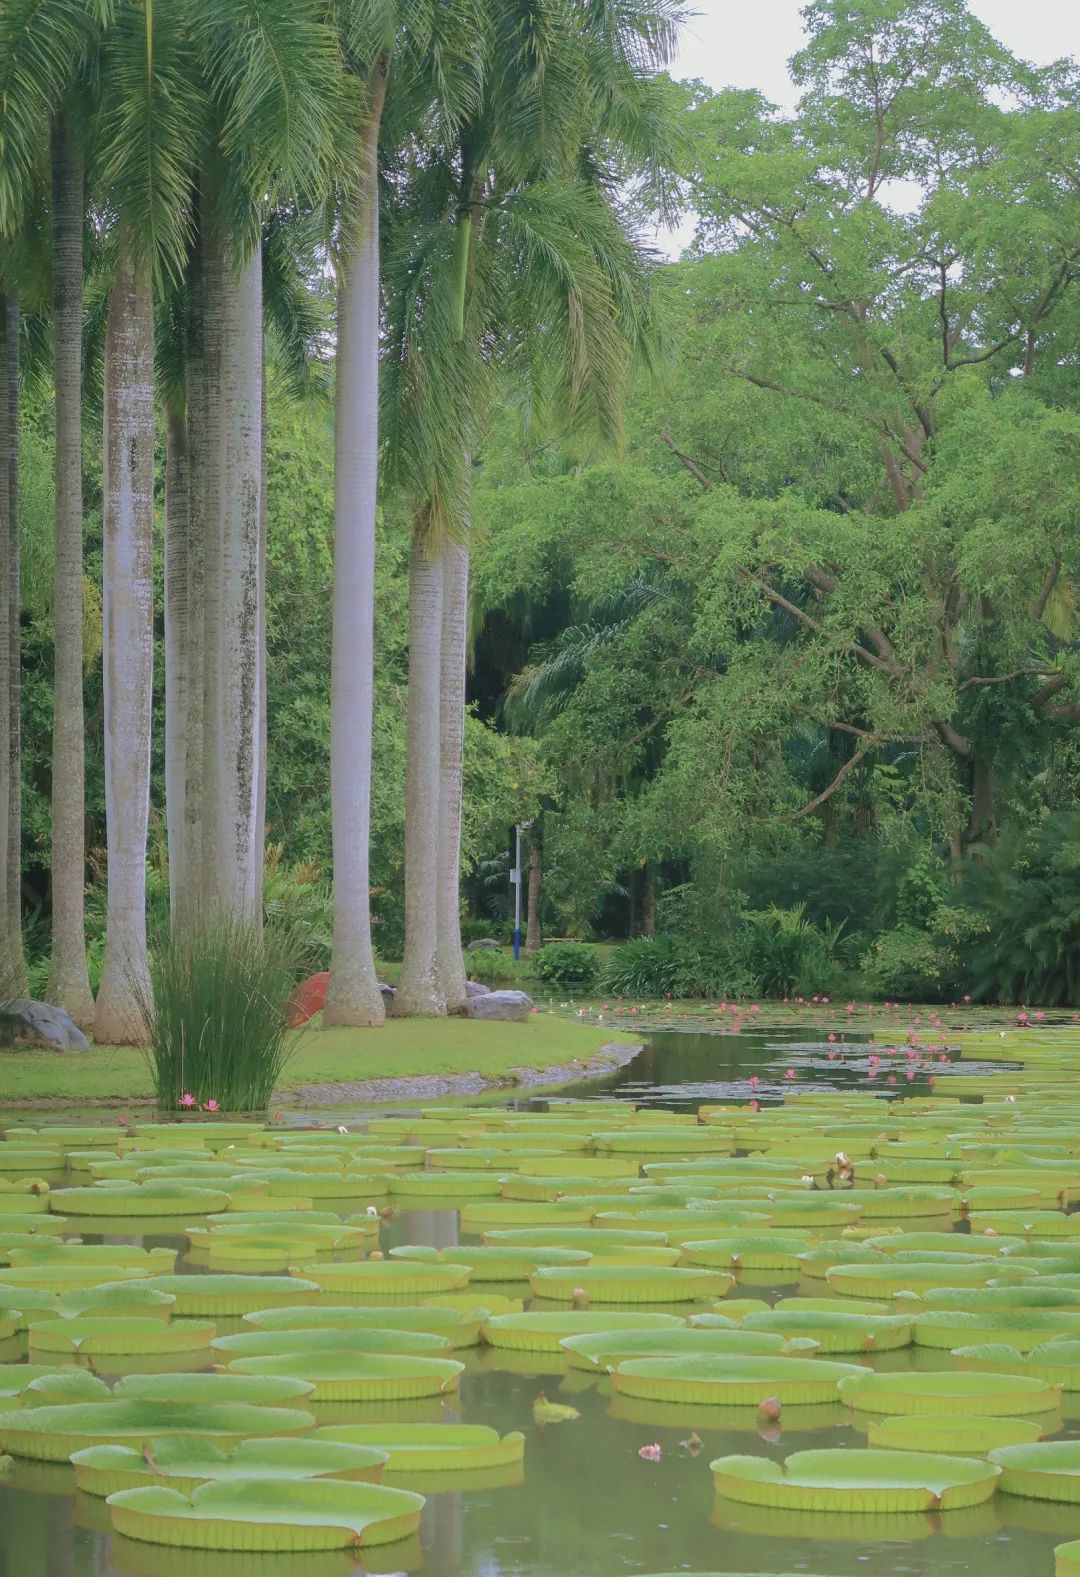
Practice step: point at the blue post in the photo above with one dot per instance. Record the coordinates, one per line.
(515, 877)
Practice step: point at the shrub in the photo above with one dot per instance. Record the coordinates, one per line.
(910, 965)
(785, 953)
(493, 967)
(646, 966)
(480, 930)
(214, 1012)
(567, 964)
(1024, 945)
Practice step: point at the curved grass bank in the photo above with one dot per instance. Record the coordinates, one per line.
(405, 1058)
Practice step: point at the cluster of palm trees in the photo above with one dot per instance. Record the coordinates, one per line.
(465, 172)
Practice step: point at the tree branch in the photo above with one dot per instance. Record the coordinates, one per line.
(959, 744)
(1049, 690)
(860, 652)
(1017, 673)
(684, 459)
(849, 765)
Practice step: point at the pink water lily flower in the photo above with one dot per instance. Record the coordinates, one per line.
(651, 1453)
(211, 1106)
(832, 1037)
(790, 1074)
(187, 1099)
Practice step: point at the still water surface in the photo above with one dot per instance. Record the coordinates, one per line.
(588, 1506)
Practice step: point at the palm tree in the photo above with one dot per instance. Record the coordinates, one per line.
(10, 929)
(353, 996)
(69, 981)
(543, 279)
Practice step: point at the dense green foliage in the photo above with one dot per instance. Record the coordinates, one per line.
(567, 964)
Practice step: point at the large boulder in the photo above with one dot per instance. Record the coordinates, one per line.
(509, 1007)
(473, 988)
(26, 1022)
(388, 994)
(485, 944)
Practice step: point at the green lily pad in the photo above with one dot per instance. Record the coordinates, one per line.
(460, 1326)
(857, 1481)
(427, 1448)
(962, 1393)
(886, 1279)
(972, 1437)
(361, 1377)
(376, 1277)
(733, 1381)
(16, 1377)
(604, 1349)
(1067, 1559)
(364, 1339)
(253, 1515)
(1047, 1470)
(543, 1331)
(489, 1262)
(632, 1284)
(110, 1335)
(1019, 1328)
(117, 1297)
(760, 1251)
(217, 1296)
(138, 1199)
(198, 1390)
(837, 1333)
(51, 1434)
(183, 1462)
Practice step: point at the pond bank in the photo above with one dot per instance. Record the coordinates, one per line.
(404, 1059)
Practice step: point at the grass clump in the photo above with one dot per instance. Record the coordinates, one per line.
(216, 1029)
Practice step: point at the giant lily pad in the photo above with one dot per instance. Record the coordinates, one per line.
(631, 1284)
(46, 1277)
(1019, 1328)
(427, 1448)
(604, 1349)
(137, 1199)
(218, 1296)
(543, 1331)
(489, 1262)
(969, 1393)
(445, 1185)
(460, 1327)
(972, 1437)
(363, 1339)
(886, 1278)
(198, 1390)
(746, 1251)
(361, 1377)
(836, 1333)
(51, 1434)
(117, 1297)
(1048, 1470)
(106, 1335)
(491, 1215)
(594, 1239)
(734, 1381)
(381, 1277)
(1067, 1559)
(184, 1462)
(49, 1251)
(854, 1481)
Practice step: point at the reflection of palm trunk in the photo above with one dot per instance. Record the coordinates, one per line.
(418, 989)
(354, 996)
(533, 936)
(12, 961)
(129, 640)
(69, 983)
(455, 571)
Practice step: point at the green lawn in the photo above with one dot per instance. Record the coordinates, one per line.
(401, 1048)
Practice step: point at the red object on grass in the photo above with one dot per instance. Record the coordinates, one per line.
(308, 999)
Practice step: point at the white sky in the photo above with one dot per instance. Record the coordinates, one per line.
(747, 43)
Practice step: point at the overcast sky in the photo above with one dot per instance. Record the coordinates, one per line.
(747, 43)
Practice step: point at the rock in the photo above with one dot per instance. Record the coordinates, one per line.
(24, 1022)
(509, 1007)
(485, 943)
(388, 995)
(473, 988)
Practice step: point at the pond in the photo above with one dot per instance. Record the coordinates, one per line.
(587, 1502)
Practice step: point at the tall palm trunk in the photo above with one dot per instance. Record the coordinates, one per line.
(69, 982)
(14, 959)
(353, 996)
(455, 573)
(418, 988)
(178, 619)
(534, 937)
(235, 668)
(128, 444)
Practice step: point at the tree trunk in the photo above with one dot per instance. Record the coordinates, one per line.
(534, 937)
(353, 995)
(234, 878)
(455, 613)
(260, 786)
(178, 615)
(982, 826)
(648, 923)
(128, 445)
(12, 962)
(69, 982)
(418, 989)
